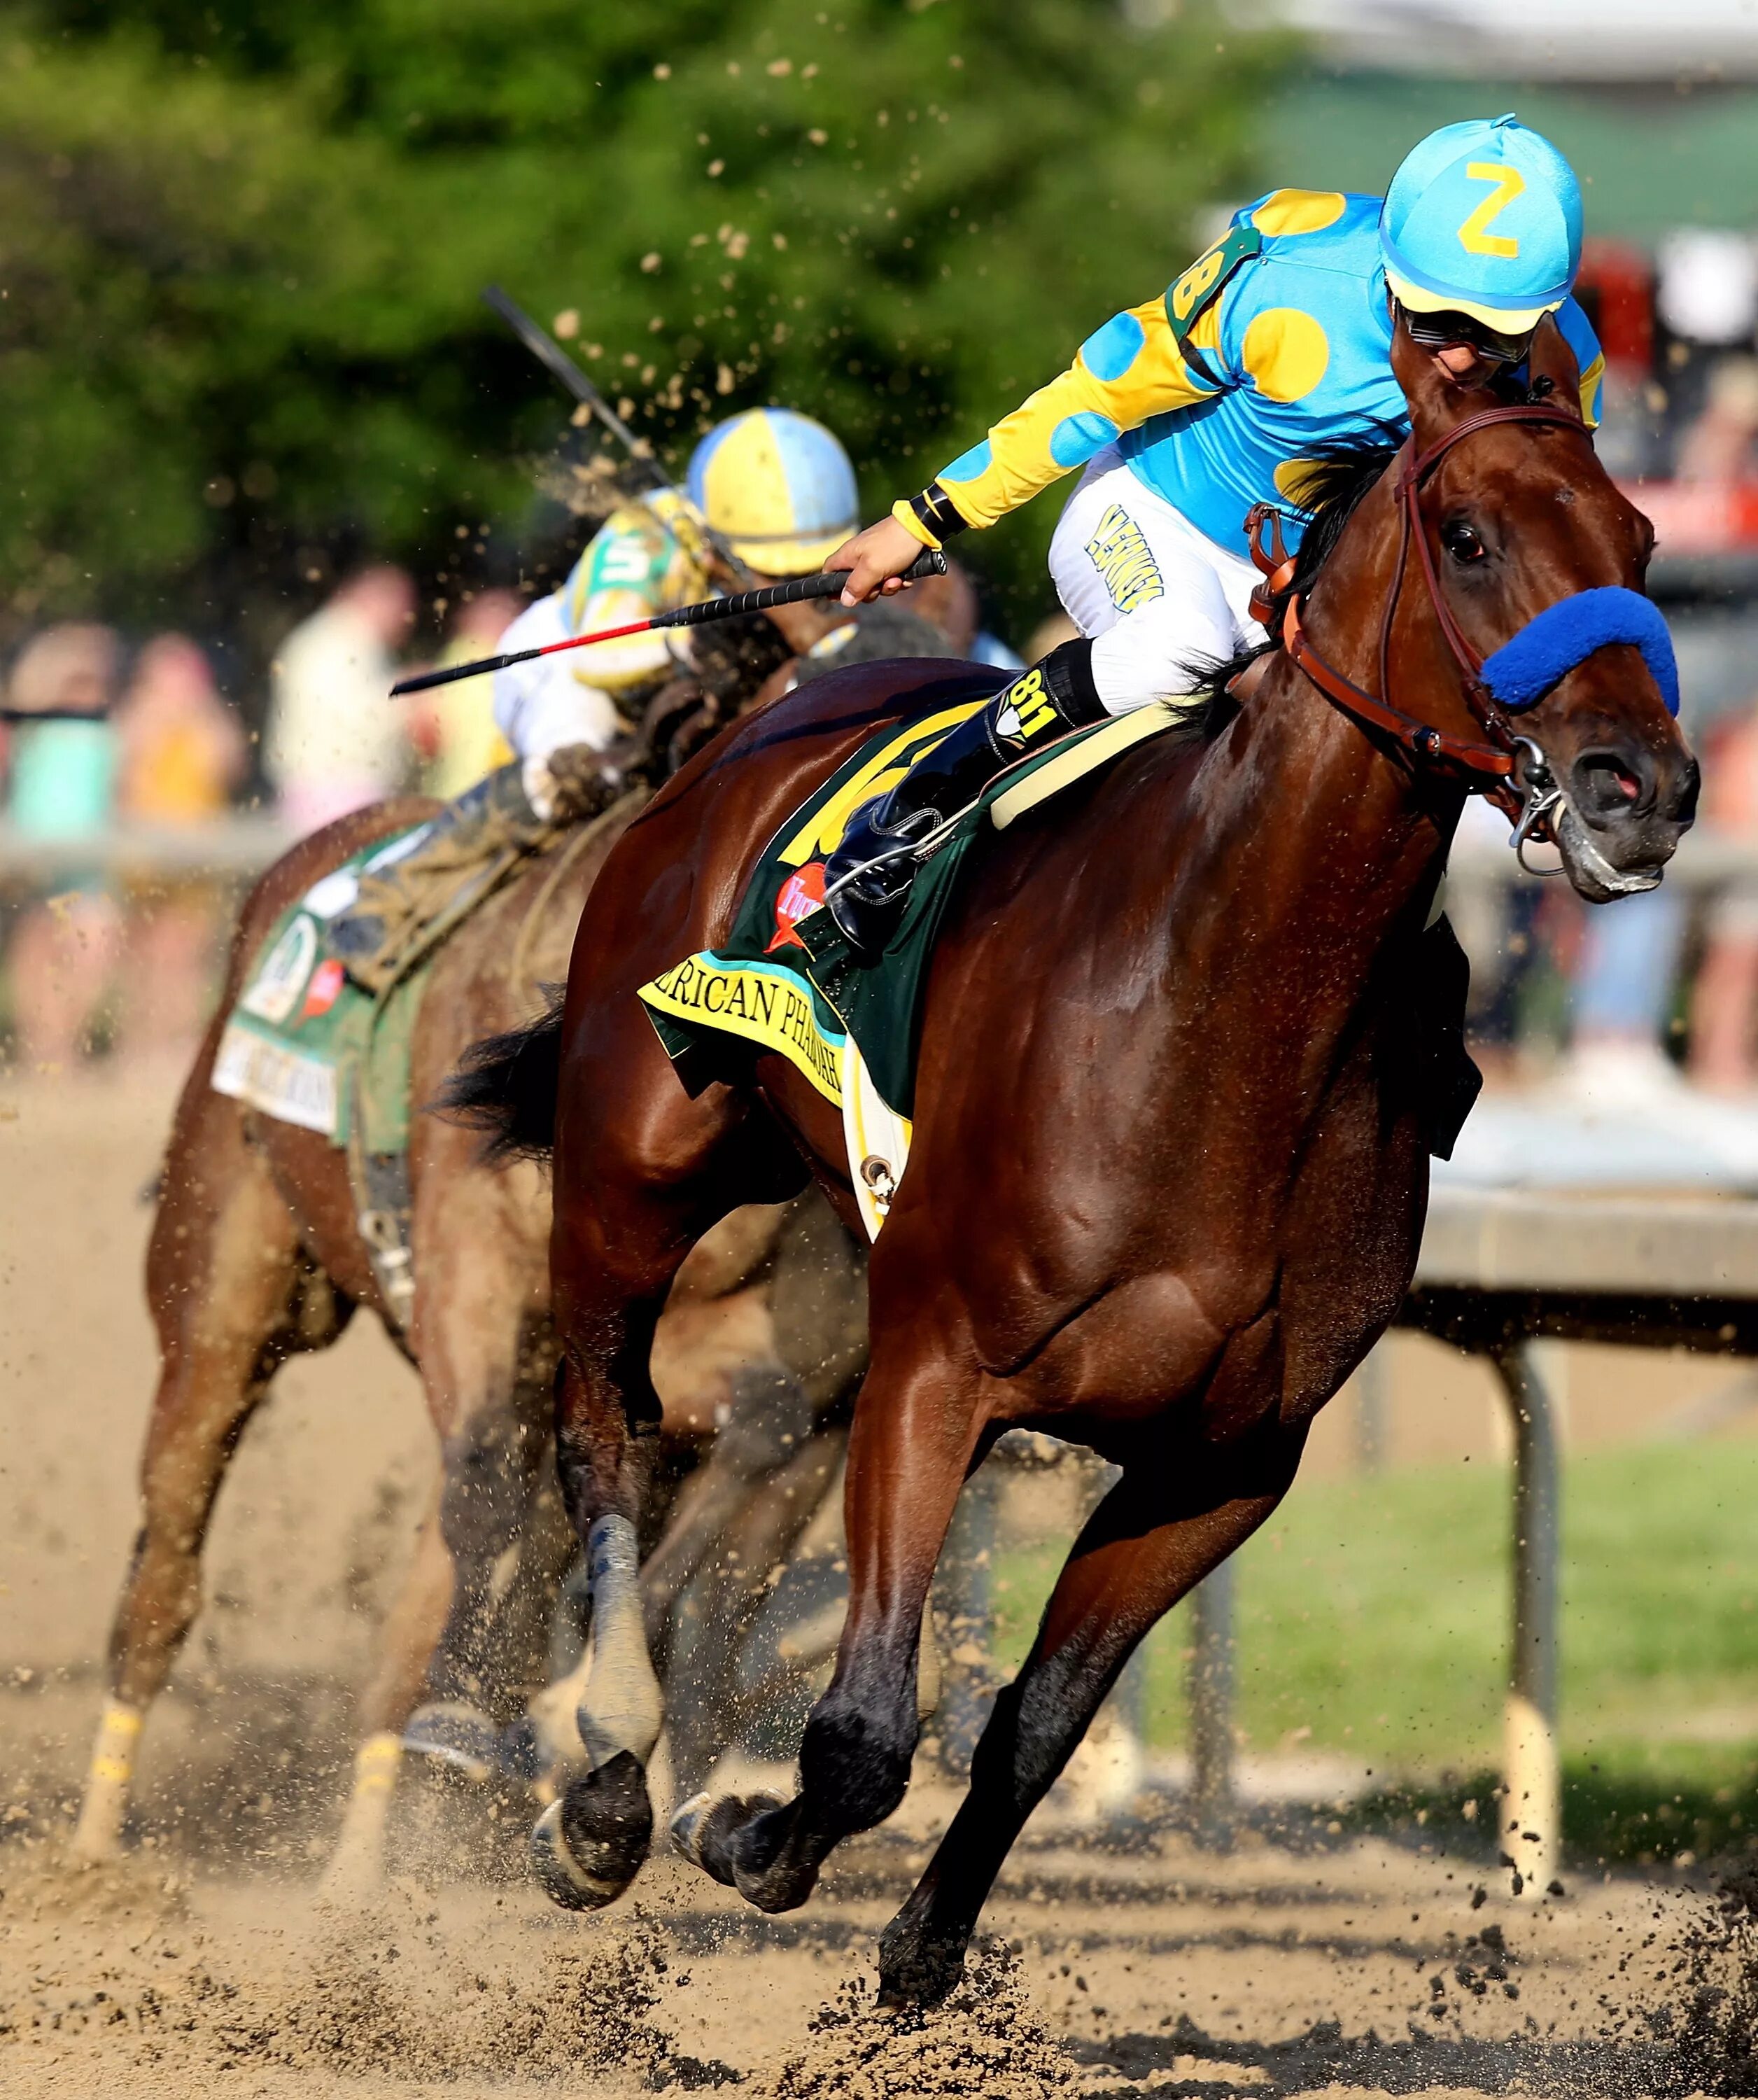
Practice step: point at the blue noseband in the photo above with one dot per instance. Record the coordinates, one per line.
(1563, 635)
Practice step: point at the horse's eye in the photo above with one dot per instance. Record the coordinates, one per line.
(1461, 542)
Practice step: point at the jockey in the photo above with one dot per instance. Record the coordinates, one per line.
(1188, 410)
(779, 490)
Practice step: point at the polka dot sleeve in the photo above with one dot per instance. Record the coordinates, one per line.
(1128, 370)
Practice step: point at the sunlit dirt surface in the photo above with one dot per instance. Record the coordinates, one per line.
(1159, 1971)
(206, 1964)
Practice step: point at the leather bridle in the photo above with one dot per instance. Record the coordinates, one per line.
(1488, 767)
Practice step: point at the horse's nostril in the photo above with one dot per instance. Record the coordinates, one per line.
(1609, 785)
(1685, 798)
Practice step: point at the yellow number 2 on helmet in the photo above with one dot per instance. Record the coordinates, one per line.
(1474, 235)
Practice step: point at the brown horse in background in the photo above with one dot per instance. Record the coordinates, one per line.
(1169, 1169)
(257, 1256)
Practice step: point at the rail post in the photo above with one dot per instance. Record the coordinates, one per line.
(1374, 1382)
(1209, 1688)
(1531, 1804)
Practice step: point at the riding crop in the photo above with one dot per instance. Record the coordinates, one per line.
(826, 583)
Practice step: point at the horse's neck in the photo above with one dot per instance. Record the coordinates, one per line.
(1317, 848)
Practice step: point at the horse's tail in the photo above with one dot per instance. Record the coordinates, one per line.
(506, 1086)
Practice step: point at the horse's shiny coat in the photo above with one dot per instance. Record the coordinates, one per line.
(1168, 1169)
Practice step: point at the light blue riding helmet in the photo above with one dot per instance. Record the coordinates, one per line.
(778, 487)
(1483, 218)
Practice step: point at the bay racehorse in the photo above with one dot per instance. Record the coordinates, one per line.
(257, 1254)
(1168, 1169)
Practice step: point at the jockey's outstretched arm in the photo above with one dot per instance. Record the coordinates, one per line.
(1133, 368)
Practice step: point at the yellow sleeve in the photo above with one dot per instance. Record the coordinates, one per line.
(1132, 368)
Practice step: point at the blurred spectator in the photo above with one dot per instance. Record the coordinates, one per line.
(1724, 1000)
(62, 784)
(1629, 964)
(457, 727)
(1716, 451)
(335, 740)
(183, 754)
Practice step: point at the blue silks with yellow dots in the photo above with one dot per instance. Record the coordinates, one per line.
(1231, 388)
(1565, 634)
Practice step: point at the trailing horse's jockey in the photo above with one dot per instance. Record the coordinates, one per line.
(1186, 411)
(779, 490)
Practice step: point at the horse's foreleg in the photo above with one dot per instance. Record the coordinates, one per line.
(914, 1434)
(1169, 1520)
(768, 1419)
(225, 1281)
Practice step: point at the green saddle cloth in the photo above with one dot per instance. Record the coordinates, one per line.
(787, 981)
(304, 1043)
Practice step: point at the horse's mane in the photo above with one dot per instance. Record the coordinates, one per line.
(1335, 480)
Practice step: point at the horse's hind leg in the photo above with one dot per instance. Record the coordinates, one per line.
(230, 1297)
(641, 1173)
(489, 1383)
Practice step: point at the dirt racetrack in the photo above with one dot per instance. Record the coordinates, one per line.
(1318, 1963)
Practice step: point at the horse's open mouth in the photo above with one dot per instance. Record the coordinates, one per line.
(1587, 869)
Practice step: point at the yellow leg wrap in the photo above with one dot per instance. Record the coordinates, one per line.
(357, 1865)
(376, 1762)
(98, 1833)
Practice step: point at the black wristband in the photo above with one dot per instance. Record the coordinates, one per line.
(935, 510)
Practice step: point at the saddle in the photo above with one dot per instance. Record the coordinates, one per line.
(787, 980)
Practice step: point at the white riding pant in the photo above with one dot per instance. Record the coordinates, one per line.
(1162, 601)
(541, 706)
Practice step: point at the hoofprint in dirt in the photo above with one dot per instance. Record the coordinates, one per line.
(1365, 1968)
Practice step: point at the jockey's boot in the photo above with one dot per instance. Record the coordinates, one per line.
(867, 880)
(468, 846)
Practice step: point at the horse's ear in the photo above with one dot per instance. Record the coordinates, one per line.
(1436, 402)
(1551, 358)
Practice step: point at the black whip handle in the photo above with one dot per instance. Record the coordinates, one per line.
(825, 583)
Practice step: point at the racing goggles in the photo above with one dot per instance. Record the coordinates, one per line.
(1441, 331)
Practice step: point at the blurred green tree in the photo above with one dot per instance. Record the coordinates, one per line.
(240, 249)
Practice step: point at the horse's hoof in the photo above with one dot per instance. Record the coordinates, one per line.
(586, 1847)
(455, 1738)
(686, 1828)
(916, 1971)
(704, 1827)
(767, 1867)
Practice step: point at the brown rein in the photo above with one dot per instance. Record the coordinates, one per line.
(1494, 761)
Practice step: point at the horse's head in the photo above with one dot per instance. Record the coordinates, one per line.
(1519, 517)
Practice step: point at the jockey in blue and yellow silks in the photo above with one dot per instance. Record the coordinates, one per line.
(1188, 410)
